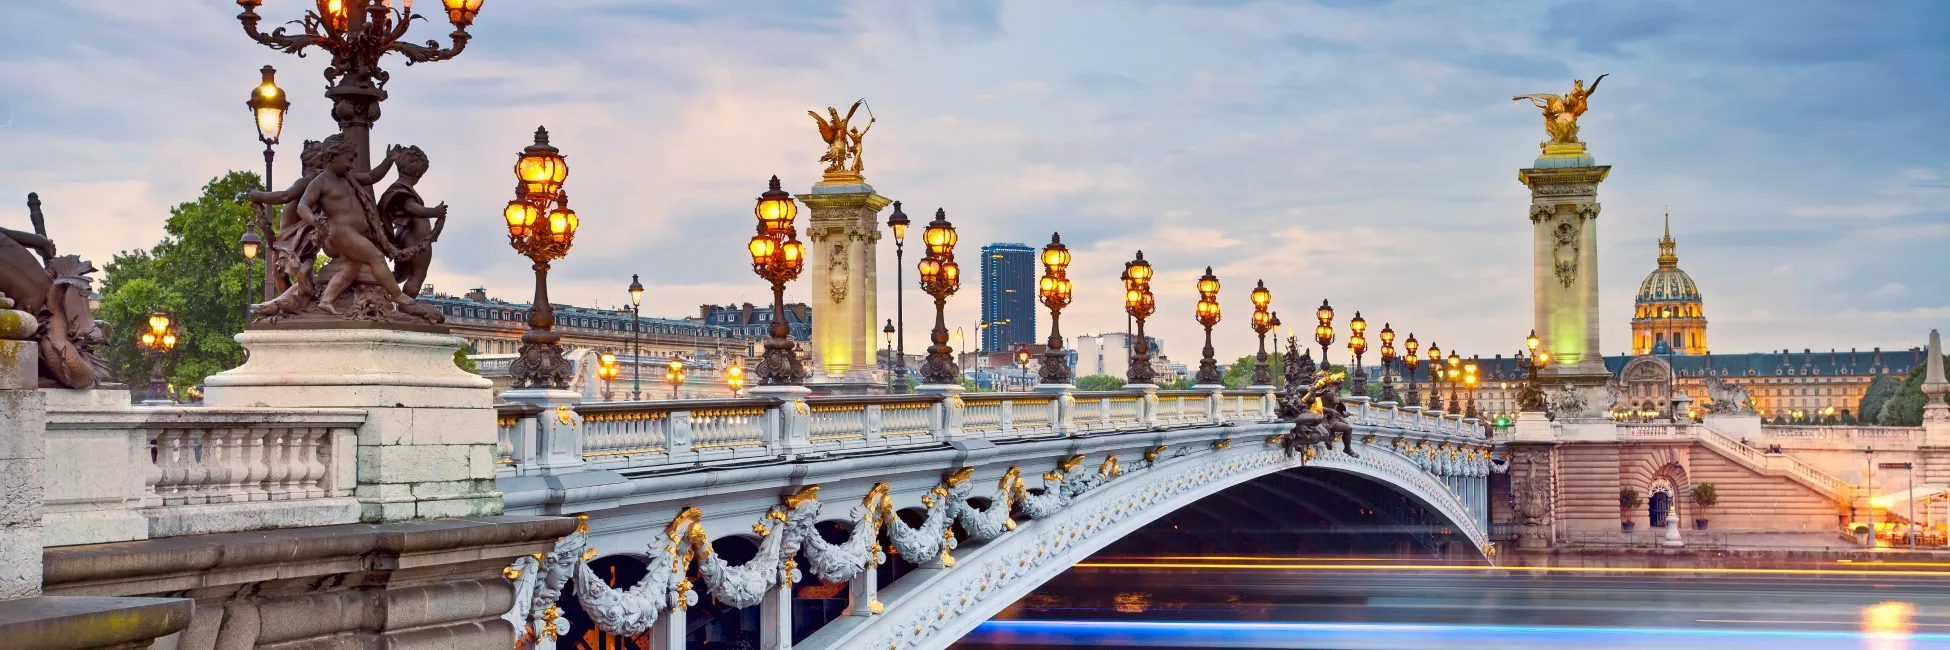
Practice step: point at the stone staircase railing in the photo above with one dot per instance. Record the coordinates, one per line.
(1772, 464)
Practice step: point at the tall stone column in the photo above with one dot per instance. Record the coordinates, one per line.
(1564, 243)
(844, 236)
(1935, 450)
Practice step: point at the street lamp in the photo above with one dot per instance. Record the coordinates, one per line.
(940, 277)
(607, 371)
(1207, 312)
(1469, 383)
(1262, 322)
(1409, 348)
(357, 33)
(1279, 378)
(734, 377)
(1388, 364)
(1532, 397)
(1453, 373)
(675, 376)
(542, 227)
(1435, 378)
(778, 257)
(889, 364)
(160, 338)
(636, 338)
(250, 245)
(1139, 304)
(1054, 288)
(1022, 363)
(1357, 343)
(268, 105)
(1324, 332)
(898, 223)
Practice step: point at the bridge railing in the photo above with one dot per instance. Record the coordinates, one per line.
(156, 471)
(1362, 410)
(618, 435)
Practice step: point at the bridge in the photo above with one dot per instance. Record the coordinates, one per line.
(983, 496)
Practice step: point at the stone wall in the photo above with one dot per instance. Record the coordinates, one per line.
(1587, 490)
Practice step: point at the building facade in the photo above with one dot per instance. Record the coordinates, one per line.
(1109, 353)
(493, 329)
(756, 322)
(1008, 296)
(1669, 309)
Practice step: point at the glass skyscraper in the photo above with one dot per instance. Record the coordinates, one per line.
(1008, 296)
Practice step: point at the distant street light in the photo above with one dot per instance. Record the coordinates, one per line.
(1139, 304)
(898, 223)
(607, 371)
(1054, 287)
(268, 105)
(1262, 322)
(636, 338)
(940, 278)
(1357, 343)
(1324, 332)
(1410, 348)
(778, 257)
(159, 339)
(675, 376)
(1388, 364)
(1207, 312)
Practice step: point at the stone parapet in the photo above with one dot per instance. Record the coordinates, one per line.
(425, 584)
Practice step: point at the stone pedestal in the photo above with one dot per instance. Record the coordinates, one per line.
(558, 443)
(948, 414)
(1564, 237)
(23, 414)
(1066, 407)
(427, 448)
(842, 237)
(791, 431)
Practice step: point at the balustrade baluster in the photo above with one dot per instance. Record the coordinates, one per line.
(283, 465)
(169, 469)
(314, 466)
(235, 466)
(255, 466)
(196, 455)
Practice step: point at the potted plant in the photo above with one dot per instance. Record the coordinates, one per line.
(1704, 495)
(1628, 500)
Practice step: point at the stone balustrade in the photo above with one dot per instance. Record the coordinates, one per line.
(137, 473)
(615, 435)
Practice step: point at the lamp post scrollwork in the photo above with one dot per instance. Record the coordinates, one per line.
(940, 278)
(1054, 288)
(543, 228)
(1207, 312)
(778, 257)
(1263, 322)
(1140, 304)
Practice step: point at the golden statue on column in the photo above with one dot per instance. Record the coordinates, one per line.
(844, 144)
(1561, 112)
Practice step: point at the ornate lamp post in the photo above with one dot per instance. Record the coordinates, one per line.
(607, 371)
(249, 244)
(1207, 312)
(357, 33)
(1453, 373)
(1054, 288)
(674, 375)
(1435, 378)
(888, 333)
(542, 227)
(898, 223)
(1279, 378)
(1357, 343)
(636, 338)
(160, 338)
(1324, 332)
(1138, 302)
(734, 377)
(1409, 348)
(1262, 322)
(1469, 384)
(940, 277)
(268, 105)
(1532, 396)
(778, 257)
(1022, 364)
(1388, 364)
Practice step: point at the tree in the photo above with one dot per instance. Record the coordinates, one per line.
(1099, 382)
(1878, 393)
(197, 274)
(464, 362)
(1904, 405)
(1240, 373)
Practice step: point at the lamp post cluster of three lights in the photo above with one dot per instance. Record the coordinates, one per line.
(607, 371)
(1140, 304)
(1531, 397)
(1357, 343)
(1054, 288)
(675, 376)
(940, 277)
(543, 228)
(159, 339)
(1207, 312)
(1388, 364)
(1435, 378)
(1263, 321)
(778, 257)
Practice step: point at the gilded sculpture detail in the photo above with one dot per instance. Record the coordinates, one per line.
(845, 144)
(1561, 111)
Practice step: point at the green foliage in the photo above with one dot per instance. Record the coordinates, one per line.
(1705, 494)
(1181, 383)
(967, 384)
(1240, 373)
(1628, 498)
(1903, 407)
(461, 360)
(196, 273)
(1878, 394)
(1099, 382)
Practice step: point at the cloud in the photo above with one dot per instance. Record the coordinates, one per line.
(1603, 27)
(1101, 81)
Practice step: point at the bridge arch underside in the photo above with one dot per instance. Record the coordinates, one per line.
(1287, 496)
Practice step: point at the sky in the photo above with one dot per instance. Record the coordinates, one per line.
(1361, 152)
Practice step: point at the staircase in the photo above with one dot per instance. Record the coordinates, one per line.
(1776, 465)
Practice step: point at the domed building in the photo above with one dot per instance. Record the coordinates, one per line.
(1668, 312)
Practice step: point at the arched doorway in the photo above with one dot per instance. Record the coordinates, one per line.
(1661, 504)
